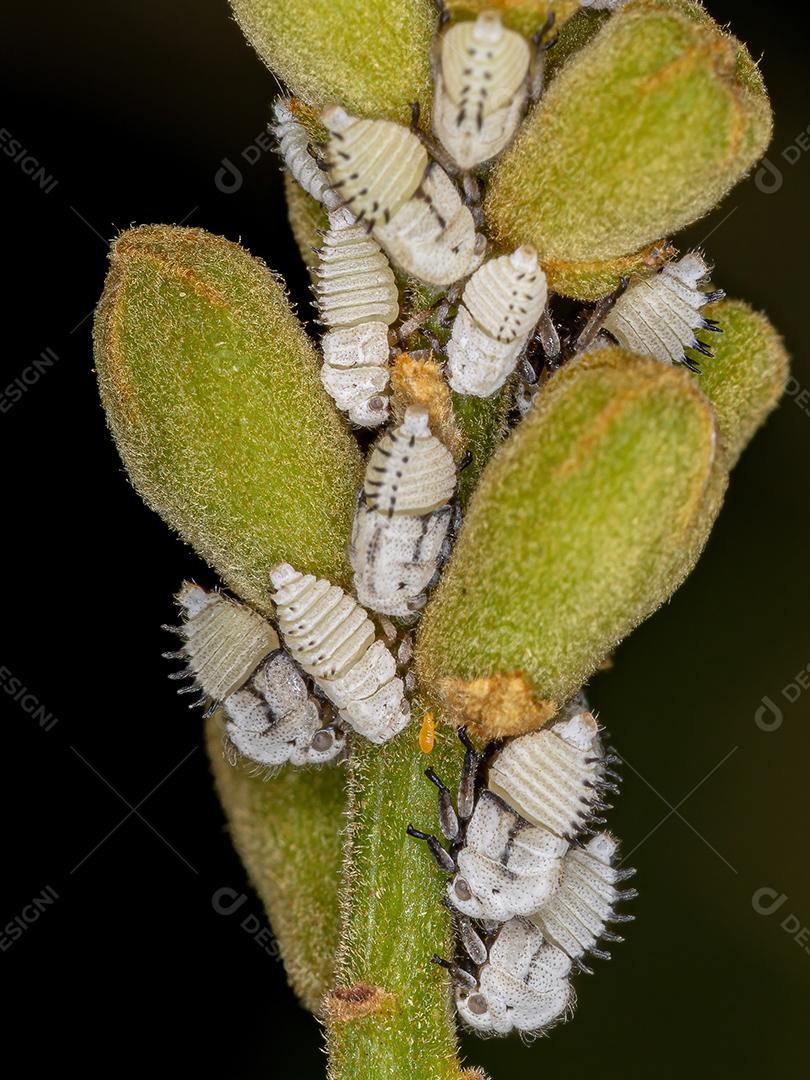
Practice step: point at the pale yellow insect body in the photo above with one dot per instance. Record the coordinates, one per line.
(481, 88)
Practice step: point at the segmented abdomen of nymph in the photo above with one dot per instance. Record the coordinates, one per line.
(410, 472)
(333, 639)
(374, 165)
(500, 306)
(223, 642)
(576, 918)
(660, 315)
(358, 300)
(355, 284)
(481, 88)
(294, 147)
(552, 777)
(402, 518)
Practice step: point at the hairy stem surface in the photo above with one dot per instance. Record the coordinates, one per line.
(391, 1014)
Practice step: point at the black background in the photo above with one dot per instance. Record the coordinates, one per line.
(132, 108)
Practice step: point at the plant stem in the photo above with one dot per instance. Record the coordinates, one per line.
(391, 1015)
(483, 422)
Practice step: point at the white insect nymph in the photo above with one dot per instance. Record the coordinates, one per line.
(552, 777)
(506, 866)
(500, 307)
(500, 864)
(294, 147)
(274, 719)
(508, 842)
(577, 916)
(520, 981)
(402, 517)
(332, 638)
(482, 83)
(659, 315)
(358, 301)
(223, 643)
(381, 171)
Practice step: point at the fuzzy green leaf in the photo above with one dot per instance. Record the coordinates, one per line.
(371, 57)
(287, 831)
(524, 16)
(584, 522)
(212, 394)
(747, 376)
(644, 130)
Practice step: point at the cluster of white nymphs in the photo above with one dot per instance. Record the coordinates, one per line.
(396, 199)
(332, 638)
(519, 867)
(234, 660)
(358, 300)
(660, 315)
(402, 517)
(382, 172)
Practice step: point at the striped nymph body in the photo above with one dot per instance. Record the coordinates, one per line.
(402, 518)
(332, 638)
(481, 77)
(296, 153)
(500, 306)
(234, 658)
(381, 171)
(660, 315)
(358, 300)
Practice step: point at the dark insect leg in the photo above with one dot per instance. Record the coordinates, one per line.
(443, 859)
(546, 331)
(537, 69)
(459, 976)
(471, 189)
(434, 148)
(471, 941)
(448, 820)
(443, 11)
(597, 316)
(469, 774)
(416, 322)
